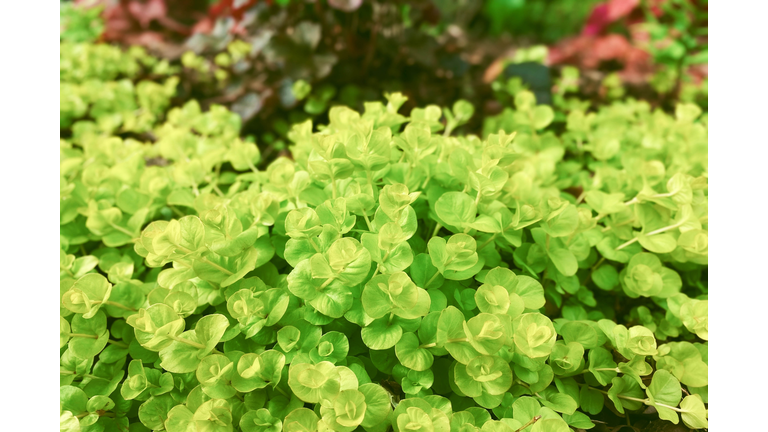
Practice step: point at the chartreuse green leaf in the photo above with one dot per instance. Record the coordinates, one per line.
(137, 381)
(381, 334)
(395, 294)
(591, 401)
(156, 327)
(214, 415)
(534, 335)
(377, 405)
(418, 414)
(64, 331)
(486, 332)
(455, 258)
(254, 371)
(566, 358)
(550, 425)
(260, 420)
(641, 341)
(182, 355)
(73, 399)
(411, 355)
(87, 295)
(209, 331)
(602, 366)
(315, 383)
(694, 412)
(694, 315)
(333, 347)
(664, 393)
(349, 408)
(389, 274)
(685, 362)
(505, 292)
(645, 276)
(559, 402)
(625, 393)
(456, 209)
(89, 336)
(300, 420)
(215, 374)
(489, 375)
(452, 335)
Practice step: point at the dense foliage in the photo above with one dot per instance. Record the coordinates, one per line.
(249, 55)
(388, 275)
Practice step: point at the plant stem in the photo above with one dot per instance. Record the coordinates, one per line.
(100, 413)
(214, 265)
(115, 304)
(216, 189)
(314, 245)
(118, 343)
(437, 228)
(644, 401)
(658, 231)
(492, 238)
(83, 375)
(327, 282)
(432, 279)
(666, 228)
(530, 422)
(626, 244)
(187, 342)
(600, 261)
(121, 229)
(176, 211)
(600, 370)
(81, 335)
(608, 228)
(207, 261)
(367, 221)
(69, 272)
(252, 167)
(448, 129)
(632, 201)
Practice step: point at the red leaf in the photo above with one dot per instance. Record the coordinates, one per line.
(203, 26)
(597, 20)
(604, 14)
(145, 13)
(611, 47)
(618, 9)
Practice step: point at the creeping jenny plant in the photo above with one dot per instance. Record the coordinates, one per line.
(390, 276)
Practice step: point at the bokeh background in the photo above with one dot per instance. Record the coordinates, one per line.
(278, 62)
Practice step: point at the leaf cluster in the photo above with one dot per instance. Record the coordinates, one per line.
(388, 275)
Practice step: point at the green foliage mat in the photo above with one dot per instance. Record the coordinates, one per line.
(390, 276)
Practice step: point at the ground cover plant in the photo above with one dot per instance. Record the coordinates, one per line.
(390, 274)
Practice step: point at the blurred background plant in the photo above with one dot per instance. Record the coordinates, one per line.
(278, 62)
